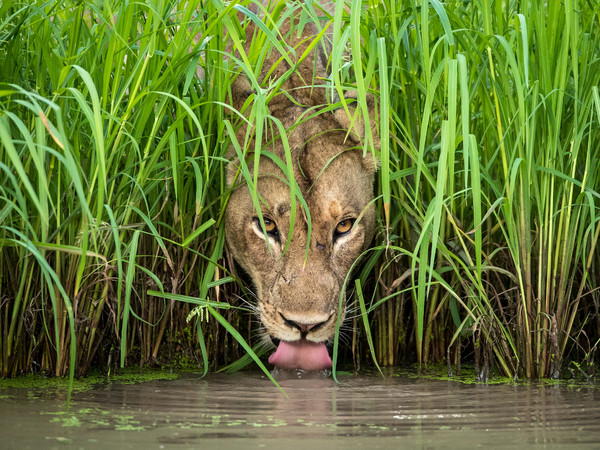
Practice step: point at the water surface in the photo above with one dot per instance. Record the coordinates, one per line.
(247, 411)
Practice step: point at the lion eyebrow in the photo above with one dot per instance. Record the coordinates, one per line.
(335, 209)
(282, 209)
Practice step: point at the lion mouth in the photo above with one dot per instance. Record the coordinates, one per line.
(301, 354)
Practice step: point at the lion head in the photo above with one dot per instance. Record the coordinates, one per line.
(299, 274)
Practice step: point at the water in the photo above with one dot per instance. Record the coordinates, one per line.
(247, 411)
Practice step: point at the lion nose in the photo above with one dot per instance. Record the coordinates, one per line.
(304, 328)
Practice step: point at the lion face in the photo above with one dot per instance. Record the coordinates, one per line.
(298, 277)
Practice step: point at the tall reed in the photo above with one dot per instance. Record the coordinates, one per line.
(495, 126)
(111, 178)
(114, 123)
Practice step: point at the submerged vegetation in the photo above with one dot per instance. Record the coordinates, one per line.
(130, 375)
(114, 123)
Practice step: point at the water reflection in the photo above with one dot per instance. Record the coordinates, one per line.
(247, 410)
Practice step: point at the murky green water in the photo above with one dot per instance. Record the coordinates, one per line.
(246, 411)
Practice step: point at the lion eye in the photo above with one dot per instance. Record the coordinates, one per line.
(270, 226)
(343, 227)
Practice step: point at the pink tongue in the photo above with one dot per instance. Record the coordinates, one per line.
(301, 355)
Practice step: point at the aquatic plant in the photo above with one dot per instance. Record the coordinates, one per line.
(114, 124)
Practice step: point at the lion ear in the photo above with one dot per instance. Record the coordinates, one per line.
(358, 128)
(231, 170)
(241, 90)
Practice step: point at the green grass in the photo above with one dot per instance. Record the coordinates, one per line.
(114, 124)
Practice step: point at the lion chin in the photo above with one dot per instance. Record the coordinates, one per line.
(299, 274)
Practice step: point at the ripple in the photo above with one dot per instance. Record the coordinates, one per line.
(248, 410)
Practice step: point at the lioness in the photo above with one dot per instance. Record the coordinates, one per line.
(298, 297)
